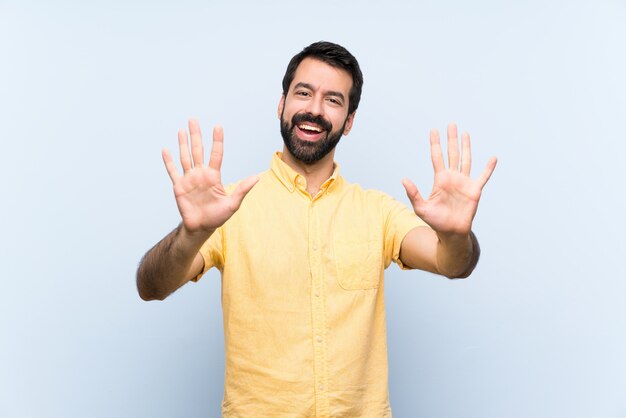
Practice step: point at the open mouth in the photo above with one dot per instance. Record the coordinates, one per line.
(309, 131)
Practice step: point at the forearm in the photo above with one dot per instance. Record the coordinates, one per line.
(457, 255)
(169, 264)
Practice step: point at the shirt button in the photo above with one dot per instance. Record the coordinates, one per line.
(319, 339)
(317, 293)
(314, 247)
(321, 387)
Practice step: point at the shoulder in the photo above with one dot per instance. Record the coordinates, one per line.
(264, 178)
(355, 191)
(375, 202)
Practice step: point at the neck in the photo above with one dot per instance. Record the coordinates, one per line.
(316, 173)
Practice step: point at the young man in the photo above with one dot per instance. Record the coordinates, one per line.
(302, 257)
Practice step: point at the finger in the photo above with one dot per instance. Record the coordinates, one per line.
(413, 194)
(242, 190)
(197, 150)
(217, 149)
(183, 146)
(169, 165)
(453, 147)
(486, 174)
(466, 154)
(436, 155)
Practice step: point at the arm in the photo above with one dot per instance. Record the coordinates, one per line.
(456, 258)
(450, 248)
(204, 206)
(171, 263)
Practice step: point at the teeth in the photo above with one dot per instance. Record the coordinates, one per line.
(309, 128)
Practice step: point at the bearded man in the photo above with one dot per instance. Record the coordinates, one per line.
(302, 258)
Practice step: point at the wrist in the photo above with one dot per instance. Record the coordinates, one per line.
(453, 239)
(194, 236)
(458, 254)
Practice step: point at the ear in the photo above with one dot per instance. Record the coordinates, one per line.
(349, 121)
(281, 105)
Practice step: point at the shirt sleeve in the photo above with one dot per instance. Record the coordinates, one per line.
(212, 253)
(399, 220)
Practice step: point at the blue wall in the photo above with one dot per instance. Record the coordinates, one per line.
(89, 94)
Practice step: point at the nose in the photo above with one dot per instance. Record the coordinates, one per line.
(315, 106)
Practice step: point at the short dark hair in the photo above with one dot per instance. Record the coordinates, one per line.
(335, 56)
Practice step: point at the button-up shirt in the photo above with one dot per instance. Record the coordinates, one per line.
(303, 297)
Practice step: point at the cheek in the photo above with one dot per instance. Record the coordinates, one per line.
(338, 119)
(288, 112)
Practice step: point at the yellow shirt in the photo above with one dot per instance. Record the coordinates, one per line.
(302, 297)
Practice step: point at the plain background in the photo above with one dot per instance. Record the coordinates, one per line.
(91, 91)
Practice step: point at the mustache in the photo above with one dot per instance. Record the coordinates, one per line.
(307, 117)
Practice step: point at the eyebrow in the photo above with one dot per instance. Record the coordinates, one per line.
(329, 93)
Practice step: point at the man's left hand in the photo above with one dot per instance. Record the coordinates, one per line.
(452, 204)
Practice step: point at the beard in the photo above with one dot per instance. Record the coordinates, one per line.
(309, 152)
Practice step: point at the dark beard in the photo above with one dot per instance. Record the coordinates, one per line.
(306, 151)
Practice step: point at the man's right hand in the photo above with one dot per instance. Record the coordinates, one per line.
(204, 206)
(202, 201)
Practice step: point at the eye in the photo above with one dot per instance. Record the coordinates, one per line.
(334, 101)
(302, 93)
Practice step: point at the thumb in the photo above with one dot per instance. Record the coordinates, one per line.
(413, 193)
(242, 189)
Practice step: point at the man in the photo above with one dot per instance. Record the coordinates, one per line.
(302, 257)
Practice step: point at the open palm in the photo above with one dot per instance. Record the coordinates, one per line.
(453, 201)
(202, 201)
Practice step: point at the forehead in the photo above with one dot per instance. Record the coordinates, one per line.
(322, 76)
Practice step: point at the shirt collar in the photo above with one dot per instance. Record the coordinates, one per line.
(289, 177)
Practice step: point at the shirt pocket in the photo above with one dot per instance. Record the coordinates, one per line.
(359, 263)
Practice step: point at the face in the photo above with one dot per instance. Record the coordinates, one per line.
(314, 112)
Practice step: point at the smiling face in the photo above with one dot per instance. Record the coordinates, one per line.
(314, 112)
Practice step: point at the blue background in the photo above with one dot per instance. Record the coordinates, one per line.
(91, 91)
